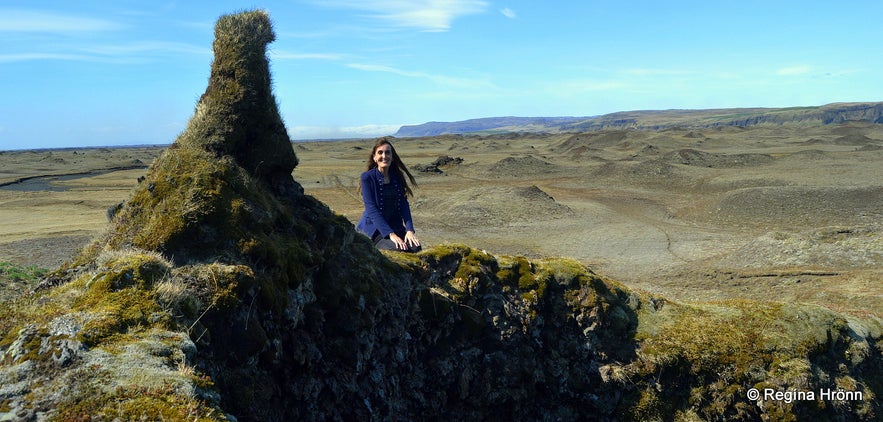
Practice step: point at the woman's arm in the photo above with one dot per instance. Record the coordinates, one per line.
(405, 210)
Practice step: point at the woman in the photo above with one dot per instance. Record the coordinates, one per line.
(385, 191)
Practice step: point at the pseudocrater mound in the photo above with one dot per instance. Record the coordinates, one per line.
(522, 166)
(693, 157)
(783, 206)
(835, 247)
(499, 205)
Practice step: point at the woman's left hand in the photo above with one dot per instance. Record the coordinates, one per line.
(411, 239)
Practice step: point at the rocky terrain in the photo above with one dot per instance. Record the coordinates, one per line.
(705, 266)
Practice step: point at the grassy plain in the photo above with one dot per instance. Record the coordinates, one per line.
(782, 213)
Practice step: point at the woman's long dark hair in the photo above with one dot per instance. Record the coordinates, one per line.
(398, 167)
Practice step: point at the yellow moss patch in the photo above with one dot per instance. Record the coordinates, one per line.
(134, 403)
(735, 335)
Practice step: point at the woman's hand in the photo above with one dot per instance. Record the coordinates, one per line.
(411, 239)
(400, 244)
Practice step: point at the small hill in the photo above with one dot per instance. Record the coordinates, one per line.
(692, 157)
(222, 292)
(834, 113)
(499, 206)
(522, 166)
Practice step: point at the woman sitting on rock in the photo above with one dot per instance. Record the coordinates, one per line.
(385, 191)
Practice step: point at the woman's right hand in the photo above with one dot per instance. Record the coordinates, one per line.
(400, 244)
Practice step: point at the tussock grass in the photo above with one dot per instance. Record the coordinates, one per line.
(10, 272)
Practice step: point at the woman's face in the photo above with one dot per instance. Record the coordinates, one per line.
(383, 157)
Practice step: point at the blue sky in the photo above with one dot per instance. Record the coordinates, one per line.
(96, 73)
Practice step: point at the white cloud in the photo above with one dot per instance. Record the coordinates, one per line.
(25, 57)
(119, 53)
(13, 20)
(439, 79)
(794, 70)
(341, 132)
(509, 13)
(388, 69)
(426, 15)
(147, 46)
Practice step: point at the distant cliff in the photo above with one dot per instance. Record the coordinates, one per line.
(658, 119)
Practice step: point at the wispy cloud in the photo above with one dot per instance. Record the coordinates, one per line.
(15, 20)
(337, 132)
(426, 15)
(388, 69)
(439, 79)
(135, 52)
(26, 57)
(146, 46)
(509, 13)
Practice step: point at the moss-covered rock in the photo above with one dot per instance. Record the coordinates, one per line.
(237, 116)
(221, 290)
(706, 357)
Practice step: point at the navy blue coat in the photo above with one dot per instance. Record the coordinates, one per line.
(372, 220)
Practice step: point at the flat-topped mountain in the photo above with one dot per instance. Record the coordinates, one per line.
(657, 119)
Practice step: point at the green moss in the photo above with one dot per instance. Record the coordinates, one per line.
(726, 347)
(216, 286)
(475, 263)
(579, 285)
(26, 345)
(461, 271)
(15, 281)
(238, 115)
(184, 189)
(119, 295)
(732, 336)
(648, 406)
(407, 261)
(117, 313)
(136, 403)
(517, 272)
